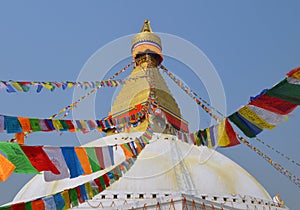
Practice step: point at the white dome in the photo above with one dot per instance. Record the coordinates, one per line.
(164, 165)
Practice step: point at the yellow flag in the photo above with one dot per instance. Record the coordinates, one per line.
(57, 125)
(89, 190)
(70, 84)
(296, 75)
(209, 144)
(6, 168)
(17, 86)
(48, 85)
(223, 139)
(65, 195)
(251, 116)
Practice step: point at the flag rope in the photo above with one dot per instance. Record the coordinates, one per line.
(278, 152)
(73, 105)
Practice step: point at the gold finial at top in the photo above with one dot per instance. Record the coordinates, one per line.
(146, 27)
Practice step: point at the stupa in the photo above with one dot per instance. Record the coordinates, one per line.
(168, 173)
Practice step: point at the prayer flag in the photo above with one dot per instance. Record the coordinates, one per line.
(227, 136)
(35, 124)
(293, 81)
(273, 104)
(127, 150)
(49, 202)
(89, 190)
(39, 159)
(43, 125)
(57, 125)
(83, 159)
(202, 135)
(133, 149)
(25, 124)
(24, 86)
(9, 88)
(39, 88)
(80, 199)
(18, 158)
(100, 157)
(100, 183)
(49, 124)
(37, 204)
(16, 86)
(83, 193)
(106, 179)
(244, 125)
(93, 159)
(138, 146)
(66, 197)
(72, 161)
(286, 91)
(28, 206)
(92, 124)
(108, 155)
(71, 125)
(18, 206)
(270, 117)
(6, 168)
(252, 117)
(73, 197)
(64, 125)
(12, 124)
(295, 73)
(57, 158)
(20, 138)
(59, 201)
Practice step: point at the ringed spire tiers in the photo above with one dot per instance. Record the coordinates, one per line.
(146, 42)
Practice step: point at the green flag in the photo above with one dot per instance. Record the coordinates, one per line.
(286, 91)
(93, 159)
(73, 197)
(16, 155)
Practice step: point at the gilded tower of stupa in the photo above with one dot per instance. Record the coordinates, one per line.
(146, 51)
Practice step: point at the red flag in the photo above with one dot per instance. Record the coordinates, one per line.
(18, 206)
(293, 72)
(231, 134)
(274, 104)
(106, 179)
(39, 159)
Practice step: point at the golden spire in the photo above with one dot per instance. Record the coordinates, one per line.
(147, 53)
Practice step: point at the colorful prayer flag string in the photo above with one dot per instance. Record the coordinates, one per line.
(201, 102)
(294, 179)
(13, 86)
(98, 86)
(278, 152)
(13, 124)
(70, 198)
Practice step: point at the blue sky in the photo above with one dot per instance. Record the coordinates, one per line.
(252, 45)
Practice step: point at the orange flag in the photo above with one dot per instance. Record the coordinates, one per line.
(20, 138)
(6, 168)
(37, 204)
(83, 159)
(127, 150)
(25, 124)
